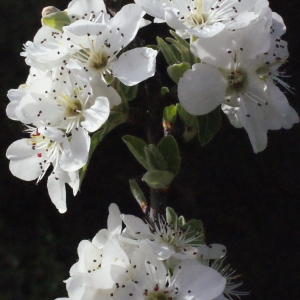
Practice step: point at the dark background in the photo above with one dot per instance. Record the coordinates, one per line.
(248, 202)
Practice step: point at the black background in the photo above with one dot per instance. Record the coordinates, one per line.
(248, 202)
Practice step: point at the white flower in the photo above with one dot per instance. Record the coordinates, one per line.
(165, 241)
(99, 43)
(150, 280)
(102, 263)
(30, 158)
(33, 84)
(95, 41)
(203, 18)
(230, 74)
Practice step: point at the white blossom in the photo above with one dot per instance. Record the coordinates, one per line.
(30, 159)
(230, 74)
(149, 280)
(203, 18)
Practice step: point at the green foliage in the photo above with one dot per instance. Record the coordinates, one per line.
(127, 92)
(169, 149)
(193, 229)
(57, 20)
(158, 179)
(136, 147)
(137, 193)
(162, 162)
(209, 125)
(190, 123)
(176, 71)
(167, 52)
(170, 114)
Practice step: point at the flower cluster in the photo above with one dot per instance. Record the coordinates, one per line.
(167, 262)
(239, 48)
(75, 59)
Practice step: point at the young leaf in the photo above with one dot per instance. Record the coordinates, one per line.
(158, 179)
(137, 193)
(176, 71)
(57, 20)
(171, 217)
(190, 122)
(136, 147)
(159, 159)
(151, 162)
(170, 114)
(209, 125)
(169, 149)
(127, 92)
(195, 231)
(167, 52)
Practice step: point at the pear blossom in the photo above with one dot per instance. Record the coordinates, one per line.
(164, 240)
(32, 84)
(150, 280)
(203, 18)
(95, 41)
(230, 74)
(30, 159)
(100, 43)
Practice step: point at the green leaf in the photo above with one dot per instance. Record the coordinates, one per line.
(151, 162)
(164, 90)
(159, 159)
(209, 125)
(181, 221)
(182, 41)
(127, 92)
(195, 231)
(186, 118)
(169, 149)
(136, 147)
(137, 193)
(57, 20)
(190, 123)
(115, 118)
(158, 179)
(167, 52)
(176, 71)
(171, 217)
(170, 114)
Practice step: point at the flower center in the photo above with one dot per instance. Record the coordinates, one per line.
(73, 107)
(98, 60)
(157, 294)
(238, 80)
(197, 14)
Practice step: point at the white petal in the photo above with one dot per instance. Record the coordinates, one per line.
(135, 65)
(136, 225)
(85, 8)
(100, 88)
(232, 114)
(96, 115)
(172, 20)
(84, 27)
(204, 283)
(213, 251)
(15, 96)
(114, 222)
(24, 160)
(201, 89)
(127, 22)
(75, 154)
(152, 7)
(57, 189)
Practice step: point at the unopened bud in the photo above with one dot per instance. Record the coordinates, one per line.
(49, 10)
